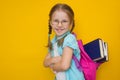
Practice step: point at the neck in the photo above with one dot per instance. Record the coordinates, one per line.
(59, 37)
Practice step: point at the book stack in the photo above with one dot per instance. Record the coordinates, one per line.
(97, 50)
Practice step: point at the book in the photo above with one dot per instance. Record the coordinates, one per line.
(97, 50)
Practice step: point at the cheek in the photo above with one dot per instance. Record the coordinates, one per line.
(67, 27)
(53, 27)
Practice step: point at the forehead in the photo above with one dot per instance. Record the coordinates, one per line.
(60, 14)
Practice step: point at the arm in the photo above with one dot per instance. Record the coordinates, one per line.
(65, 61)
(50, 60)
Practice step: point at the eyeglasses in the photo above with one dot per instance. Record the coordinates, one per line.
(56, 22)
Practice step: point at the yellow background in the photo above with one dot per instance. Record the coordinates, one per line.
(24, 28)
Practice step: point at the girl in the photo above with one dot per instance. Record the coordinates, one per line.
(63, 45)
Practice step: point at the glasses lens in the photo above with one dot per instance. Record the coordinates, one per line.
(56, 22)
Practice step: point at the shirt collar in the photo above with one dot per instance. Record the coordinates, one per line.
(59, 37)
(56, 38)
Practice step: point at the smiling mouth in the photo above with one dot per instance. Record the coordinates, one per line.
(59, 30)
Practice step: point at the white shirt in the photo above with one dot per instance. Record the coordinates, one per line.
(59, 75)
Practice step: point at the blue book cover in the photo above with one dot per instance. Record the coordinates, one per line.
(95, 49)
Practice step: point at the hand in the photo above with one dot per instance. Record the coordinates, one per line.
(57, 59)
(51, 67)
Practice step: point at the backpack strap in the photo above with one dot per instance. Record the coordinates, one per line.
(83, 56)
(77, 63)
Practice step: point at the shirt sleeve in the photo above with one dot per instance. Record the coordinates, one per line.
(70, 41)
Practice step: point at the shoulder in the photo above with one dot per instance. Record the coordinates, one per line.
(70, 37)
(71, 41)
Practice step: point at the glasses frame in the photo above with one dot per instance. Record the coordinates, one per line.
(63, 22)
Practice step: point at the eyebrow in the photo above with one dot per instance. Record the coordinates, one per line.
(62, 19)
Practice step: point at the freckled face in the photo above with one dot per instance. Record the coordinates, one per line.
(60, 22)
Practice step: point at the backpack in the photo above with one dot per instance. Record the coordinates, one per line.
(86, 64)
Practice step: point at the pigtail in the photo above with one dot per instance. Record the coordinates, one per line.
(49, 33)
(60, 42)
(72, 26)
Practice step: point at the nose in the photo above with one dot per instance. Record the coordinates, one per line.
(59, 24)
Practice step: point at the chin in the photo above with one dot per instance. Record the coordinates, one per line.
(61, 33)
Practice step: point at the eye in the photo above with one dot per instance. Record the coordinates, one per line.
(64, 21)
(55, 21)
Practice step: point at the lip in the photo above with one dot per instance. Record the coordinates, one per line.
(59, 30)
